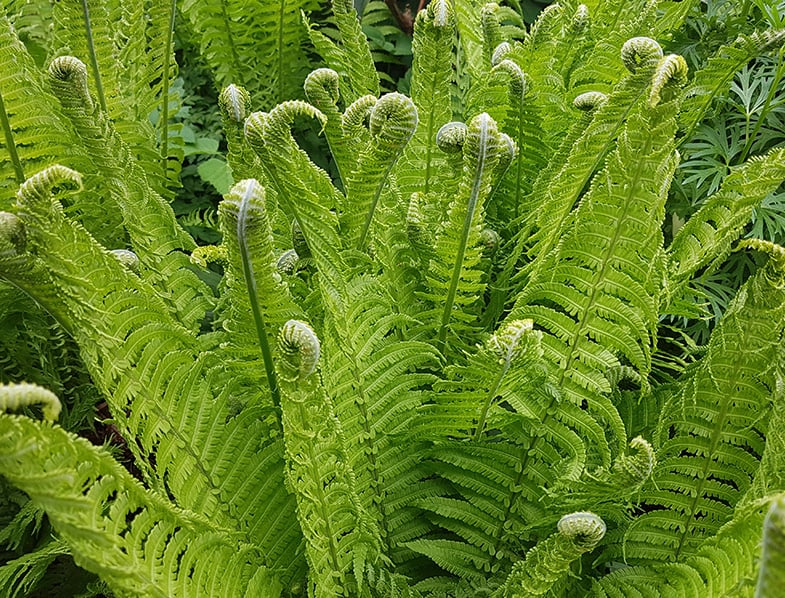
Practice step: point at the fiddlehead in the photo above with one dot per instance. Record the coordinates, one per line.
(128, 259)
(671, 73)
(338, 533)
(392, 122)
(640, 52)
(247, 233)
(590, 100)
(38, 189)
(234, 103)
(300, 349)
(550, 560)
(69, 83)
(14, 396)
(13, 239)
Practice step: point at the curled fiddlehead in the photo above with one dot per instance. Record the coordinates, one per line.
(500, 52)
(357, 114)
(451, 137)
(13, 239)
(640, 52)
(287, 262)
(671, 71)
(235, 103)
(68, 77)
(580, 20)
(13, 396)
(300, 350)
(590, 100)
(550, 560)
(491, 29)
(322, 88)
(40, 187)
(392, 122)
(128, 259)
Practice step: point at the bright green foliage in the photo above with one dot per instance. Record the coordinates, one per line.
(550, 559)
(486, 357)
(261, 50)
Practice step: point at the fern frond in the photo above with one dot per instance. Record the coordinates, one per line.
(33, 135)
(305, 190)
(597, 295)
(392, 122)
(201, 437)
(705, 240)
(717, 75)
(421, 163)
(454, 280)
(712, 432)
(235, 105)
(137, 542)
(154, 233)
(557, 190)
(551, 558)
(254, 288)
(271, 38)
(339, 535)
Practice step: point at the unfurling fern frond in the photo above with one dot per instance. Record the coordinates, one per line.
(339, 536)
(140, 544)
(550, 560)
(454, 278)
(255, 291)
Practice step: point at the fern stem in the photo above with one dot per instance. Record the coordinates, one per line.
(372, 209)
(99, 87)
(488, 400)
(165, 88)
(280, 51)
(467, 225)
(250, 284)
(19, 173)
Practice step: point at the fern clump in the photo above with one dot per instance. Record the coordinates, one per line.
(448, 362)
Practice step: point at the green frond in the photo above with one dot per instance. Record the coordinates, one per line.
(201, 436)
(14, 396)
(261, 50)
(375, 380)
(322, 89)
(304, 190)
(392, 122)
(235, 105)
(254, 289)
(155, 236)
(139, 543)
(597, 294)
(453, 277)
(421, 163)
(108, 37)
(360, 69)
(551, 558)
(33, 136)
(716, 77)
(706, 238)
(339, 535)
(724, 565)
(712, 432)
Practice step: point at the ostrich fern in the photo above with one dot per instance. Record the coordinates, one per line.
(438, 374)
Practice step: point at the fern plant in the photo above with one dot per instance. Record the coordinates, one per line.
(439, 373)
